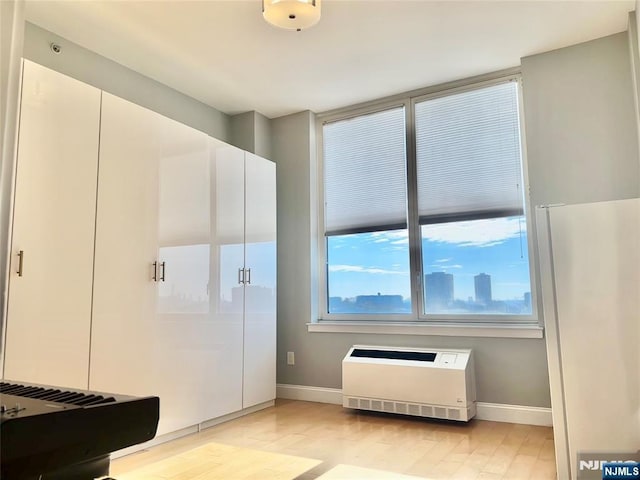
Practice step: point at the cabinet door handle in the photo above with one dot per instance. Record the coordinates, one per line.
(241, 276)
(163, 267)
(248, 276)
(20, 262)
(155, 271)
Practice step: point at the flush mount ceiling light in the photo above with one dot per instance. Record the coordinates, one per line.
(291, 14)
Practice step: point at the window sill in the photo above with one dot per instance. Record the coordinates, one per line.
(458, 330)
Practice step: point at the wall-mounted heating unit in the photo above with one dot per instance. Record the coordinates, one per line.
(437, 383)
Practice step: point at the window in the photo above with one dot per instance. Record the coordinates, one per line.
(433, 227)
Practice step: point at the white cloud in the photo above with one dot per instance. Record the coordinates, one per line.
(393, 235)
(479, 233)
(446, 267)
(361, 269)
(403, 241)
(443, 260)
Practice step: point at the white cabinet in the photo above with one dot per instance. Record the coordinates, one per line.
(151, 310)
(49, 304)
(244, 238)
(148, 256)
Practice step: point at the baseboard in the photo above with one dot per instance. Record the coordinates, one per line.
(500, 412)
(158, 440)
(495, 412)
(167, 437)
(232, 416)
(309, 394)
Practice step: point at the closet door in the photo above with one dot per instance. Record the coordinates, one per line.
(183, 313)
(49, 305)
(123, 340)
(151, 304)
(260, 281)
(227, 237)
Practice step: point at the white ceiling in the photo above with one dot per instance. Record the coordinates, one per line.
(224, 54)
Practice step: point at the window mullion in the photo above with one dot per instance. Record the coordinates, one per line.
(415, 250)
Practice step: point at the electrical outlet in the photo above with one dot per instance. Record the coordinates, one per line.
(291, 358)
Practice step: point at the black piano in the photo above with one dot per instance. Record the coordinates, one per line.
(51, 433)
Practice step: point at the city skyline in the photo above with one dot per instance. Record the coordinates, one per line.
(378, 262)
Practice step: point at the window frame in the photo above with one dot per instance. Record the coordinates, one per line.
(418, 317)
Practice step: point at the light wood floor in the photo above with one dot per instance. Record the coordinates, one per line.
(330, 442)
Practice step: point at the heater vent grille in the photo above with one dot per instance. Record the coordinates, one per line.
(410, 408)
(424, 382)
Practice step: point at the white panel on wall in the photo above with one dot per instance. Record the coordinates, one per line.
(593, 305)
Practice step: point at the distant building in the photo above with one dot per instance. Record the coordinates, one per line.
(252, 298)
(527, 300)
(438, 287)
(379, 303)
(336, 305)
(482, 283)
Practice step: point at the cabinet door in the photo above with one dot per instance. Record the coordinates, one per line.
(124, 341)
(49, 306)
(260, 288)
(183, 315)
(153, 207)
(227, 299)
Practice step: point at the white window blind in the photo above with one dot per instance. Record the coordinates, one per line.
(365, 173)
(468, 155)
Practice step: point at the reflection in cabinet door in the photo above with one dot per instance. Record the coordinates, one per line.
(153, 209)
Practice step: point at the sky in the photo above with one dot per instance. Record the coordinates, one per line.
(378, 262)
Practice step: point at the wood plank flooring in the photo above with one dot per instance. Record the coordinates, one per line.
(215, 461)
(342, 441)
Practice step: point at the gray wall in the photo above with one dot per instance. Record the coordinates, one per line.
(91, 68)
(242, 131)
(251, 131)
(580, 123)
(582, 146)
(293, 146)
(582, 137)
(262, 134)
(511, 371)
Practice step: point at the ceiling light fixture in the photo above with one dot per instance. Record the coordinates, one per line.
(291, 14)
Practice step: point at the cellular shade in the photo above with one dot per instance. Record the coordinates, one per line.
(365, 173)
(468, 155)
